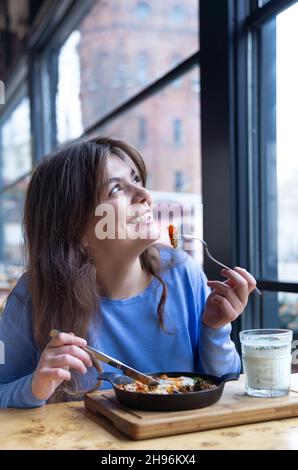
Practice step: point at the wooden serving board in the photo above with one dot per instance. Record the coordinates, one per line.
(234, 408)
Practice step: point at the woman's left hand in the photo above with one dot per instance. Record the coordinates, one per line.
(228, 299)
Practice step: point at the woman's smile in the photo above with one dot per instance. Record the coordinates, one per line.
(145, 218)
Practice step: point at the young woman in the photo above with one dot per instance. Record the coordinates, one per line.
(90, 276)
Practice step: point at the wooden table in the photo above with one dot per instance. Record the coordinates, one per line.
(71, 426)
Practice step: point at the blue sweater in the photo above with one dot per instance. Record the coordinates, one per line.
(128, 330)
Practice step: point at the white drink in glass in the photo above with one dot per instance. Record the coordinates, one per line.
(266, 356)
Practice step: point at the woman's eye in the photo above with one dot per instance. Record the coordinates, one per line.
(117, 187)
(137, 179)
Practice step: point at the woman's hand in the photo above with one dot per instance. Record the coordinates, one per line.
(228, 299)
(62, 353)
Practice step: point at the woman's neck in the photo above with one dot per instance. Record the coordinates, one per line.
(121, 279)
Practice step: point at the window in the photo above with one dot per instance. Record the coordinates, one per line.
(68, 106)
(142, 71)
(177, 131)
(279, 115)
(245, 151)
(180, 181)
(11, 237)
(143, 132)
(287, 143)
(121, 77)
(101, 82)
(195, 85)
(16, 162)
(177, 14)
(288, 311)
(276, 142)
(15, 143)
(142, 10)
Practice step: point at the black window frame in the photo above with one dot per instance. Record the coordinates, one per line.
(232, 162)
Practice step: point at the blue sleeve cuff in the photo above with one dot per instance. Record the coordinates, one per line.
(222, 332)
(18, 394)
(217, 352)
(26, 395)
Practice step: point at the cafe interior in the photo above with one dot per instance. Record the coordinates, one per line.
(206, 91)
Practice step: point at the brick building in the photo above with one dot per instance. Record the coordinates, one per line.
(126, 44)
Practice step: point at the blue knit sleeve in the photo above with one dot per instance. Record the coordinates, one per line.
(19, 353)
(216, 353)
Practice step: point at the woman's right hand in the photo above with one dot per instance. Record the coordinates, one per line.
(62, 353)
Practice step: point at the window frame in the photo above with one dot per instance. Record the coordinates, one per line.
(254, 22)
(232, 231)
(266, 279)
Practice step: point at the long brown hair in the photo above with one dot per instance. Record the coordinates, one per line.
(61, 199)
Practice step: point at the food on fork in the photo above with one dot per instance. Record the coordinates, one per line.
(173, 234)
(169, 385)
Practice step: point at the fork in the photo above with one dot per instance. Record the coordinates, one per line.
(191, 237)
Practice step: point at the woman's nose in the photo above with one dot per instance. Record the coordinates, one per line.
(141, 195)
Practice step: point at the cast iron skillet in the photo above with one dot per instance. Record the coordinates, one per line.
(176, 402)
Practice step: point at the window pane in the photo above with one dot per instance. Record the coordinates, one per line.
(15, 148)
(118, 49)
(288, 311)
(165, 128)
(279, 142)
(11, 246)
(288, 318)
(287, 142)
(281, 311)
(68, 106)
